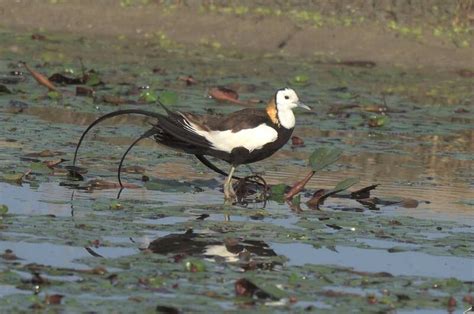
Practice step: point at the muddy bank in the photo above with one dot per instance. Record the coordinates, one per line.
(433, 34)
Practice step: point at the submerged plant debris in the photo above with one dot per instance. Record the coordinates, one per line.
(394, 232)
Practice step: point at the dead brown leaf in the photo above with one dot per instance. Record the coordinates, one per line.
(409, 203)
(298, 186)
(85, 91)
(222, 94)
(364, 192)
(53, 299)
(189, 80)
(44, 153)
(53, 163)
(40, 78)
(316, 200)
(297, 142)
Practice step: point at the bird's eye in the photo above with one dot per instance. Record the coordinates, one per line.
(287, 97)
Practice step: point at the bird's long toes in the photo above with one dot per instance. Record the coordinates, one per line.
(229, 194)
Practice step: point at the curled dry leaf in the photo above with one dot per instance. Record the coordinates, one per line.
(315, 200)
(299, 186)
(53, 163)
(62, 79)
(364, 192)
(409, 203)
(221, 93)
(40, 78)
(53, 299)
(44, 153)
(189, 80)
(297, 141)
(85, 91)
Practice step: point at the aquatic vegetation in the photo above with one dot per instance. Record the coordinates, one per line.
(168, 243)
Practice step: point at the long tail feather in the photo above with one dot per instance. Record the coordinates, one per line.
(143, 136)
(151, 114)
(111, 115)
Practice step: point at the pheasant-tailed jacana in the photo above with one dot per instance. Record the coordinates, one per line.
(242, 137)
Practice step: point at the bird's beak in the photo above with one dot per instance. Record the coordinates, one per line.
(301, 105)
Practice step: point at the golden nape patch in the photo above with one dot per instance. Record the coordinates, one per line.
(272, 111)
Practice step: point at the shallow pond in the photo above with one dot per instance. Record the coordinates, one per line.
(170, 242)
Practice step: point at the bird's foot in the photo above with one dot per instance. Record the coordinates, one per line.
(229, 194)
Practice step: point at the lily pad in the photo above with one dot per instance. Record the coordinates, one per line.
(166, 185)
(168, 98)
(324, 157)
(300, 80)
(278, 193)
(149, 96)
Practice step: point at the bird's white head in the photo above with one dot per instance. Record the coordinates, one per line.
(285, 100)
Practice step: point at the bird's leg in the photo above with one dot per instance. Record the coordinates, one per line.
(229, 193)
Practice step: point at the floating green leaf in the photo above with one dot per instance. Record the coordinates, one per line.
(300, 80)
(93, 79)
(168, 98)
(16, 177)
(296, 201)
(148, 96)
(115, 205)
(376, 121)
(39, 167)
(55, 95)
(323, 157)
(3, 209)
(278, 193)
(194, 265)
